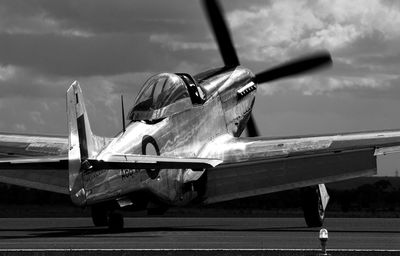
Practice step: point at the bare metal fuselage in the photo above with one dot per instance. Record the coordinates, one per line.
(184, 134)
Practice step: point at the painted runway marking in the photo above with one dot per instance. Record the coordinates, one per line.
(199, 249)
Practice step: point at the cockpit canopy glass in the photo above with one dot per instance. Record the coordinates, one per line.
(157, 94)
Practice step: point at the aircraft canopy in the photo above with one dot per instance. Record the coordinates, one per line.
(160, 96)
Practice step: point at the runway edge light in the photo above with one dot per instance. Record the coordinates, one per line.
(323, 237)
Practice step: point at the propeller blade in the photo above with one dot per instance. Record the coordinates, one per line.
(221, 32)
(252, 130)
(302, 65)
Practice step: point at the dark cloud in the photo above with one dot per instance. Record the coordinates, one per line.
(105, 55)
(27, 84)
(125, 16)
(120, 16)
(75, 38)
(112, 17)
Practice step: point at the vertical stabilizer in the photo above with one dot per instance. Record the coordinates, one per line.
(82, 143)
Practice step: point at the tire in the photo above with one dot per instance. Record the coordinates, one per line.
(314, 213)
(115, 222)
(99, 216)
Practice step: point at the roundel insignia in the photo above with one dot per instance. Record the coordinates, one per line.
(150, 147)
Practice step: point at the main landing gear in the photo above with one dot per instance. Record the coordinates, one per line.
(314, 202)
(101, 216)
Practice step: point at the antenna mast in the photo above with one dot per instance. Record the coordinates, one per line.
(123, 113)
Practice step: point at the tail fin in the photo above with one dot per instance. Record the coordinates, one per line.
(83, 144)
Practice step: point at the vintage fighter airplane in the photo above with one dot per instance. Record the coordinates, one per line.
(183, 146)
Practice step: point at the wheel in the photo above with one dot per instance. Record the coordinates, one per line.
(313, 209)
(115, 222)
(99, 216)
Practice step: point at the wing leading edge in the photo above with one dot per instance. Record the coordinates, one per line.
(23, 145)
(255, 166)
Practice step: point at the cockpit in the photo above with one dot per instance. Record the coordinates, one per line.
(165, 94)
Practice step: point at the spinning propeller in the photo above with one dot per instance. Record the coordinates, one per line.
(229, 56)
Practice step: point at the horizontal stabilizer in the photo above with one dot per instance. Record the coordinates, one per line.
(130, 161)
(119, 161)
(36, 163)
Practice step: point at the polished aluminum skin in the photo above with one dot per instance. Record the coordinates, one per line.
(185, 133)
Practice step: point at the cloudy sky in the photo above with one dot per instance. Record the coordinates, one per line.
(111, 47)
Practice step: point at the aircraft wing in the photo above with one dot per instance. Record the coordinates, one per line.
(44, 155)
(255, 166)
(22, 145)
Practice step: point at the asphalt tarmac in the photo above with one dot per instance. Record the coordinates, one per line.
(199, 233)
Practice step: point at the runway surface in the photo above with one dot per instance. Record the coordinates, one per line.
(198, 233)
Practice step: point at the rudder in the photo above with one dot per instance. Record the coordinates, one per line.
(83, 144)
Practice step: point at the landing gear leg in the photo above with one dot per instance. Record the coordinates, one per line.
(314, 201)
(99, 216)
(115, 221)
